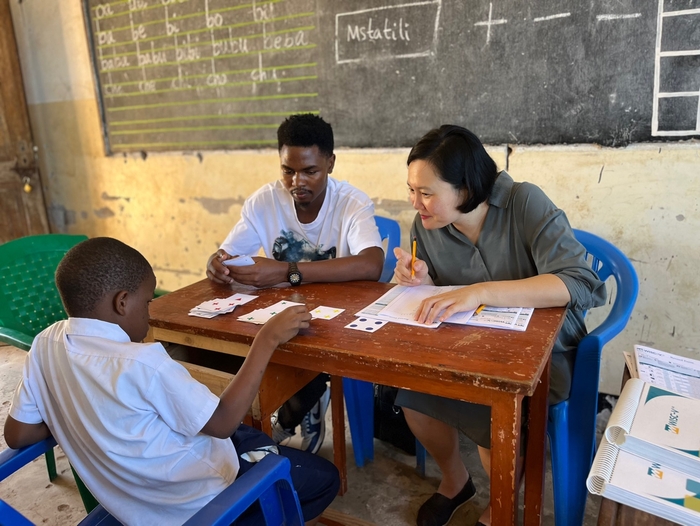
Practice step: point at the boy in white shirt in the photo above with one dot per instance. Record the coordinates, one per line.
(150, 442)
(312, 228)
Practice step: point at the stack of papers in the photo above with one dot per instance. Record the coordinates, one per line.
(401, 305)
(665, 370)
(260, 316)
(211, 308)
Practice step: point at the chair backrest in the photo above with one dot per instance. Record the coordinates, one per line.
(29, 300)
(608, 261)
(391, 231)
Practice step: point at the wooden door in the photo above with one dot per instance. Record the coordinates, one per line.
(22, 208)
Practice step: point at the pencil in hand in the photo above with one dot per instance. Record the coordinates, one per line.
(413, 259)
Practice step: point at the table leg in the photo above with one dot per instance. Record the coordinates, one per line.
(338, 415)
(536, 450)
(505, 445)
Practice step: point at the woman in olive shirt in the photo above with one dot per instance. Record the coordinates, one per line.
(476, 226)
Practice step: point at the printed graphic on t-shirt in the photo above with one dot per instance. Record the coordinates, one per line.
(290, 246)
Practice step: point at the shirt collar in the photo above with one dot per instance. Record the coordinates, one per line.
(98, 328)
(501, 190)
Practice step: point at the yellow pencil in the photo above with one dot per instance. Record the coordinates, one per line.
(479, 309)
(413, 259)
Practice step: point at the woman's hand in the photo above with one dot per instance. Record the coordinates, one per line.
(442, 306)
(402, 273)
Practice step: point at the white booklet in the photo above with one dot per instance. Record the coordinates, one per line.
(668, 371)
(657, 424)
(644, 484)
(400, 305)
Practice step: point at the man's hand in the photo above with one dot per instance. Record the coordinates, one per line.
(265, 273)
(216, 270)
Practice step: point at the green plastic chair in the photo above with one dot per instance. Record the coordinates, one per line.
(29, 300)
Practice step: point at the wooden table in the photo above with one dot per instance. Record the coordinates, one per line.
(487, 366)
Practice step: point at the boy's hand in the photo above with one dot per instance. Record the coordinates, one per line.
(402, 273)
(284, 326)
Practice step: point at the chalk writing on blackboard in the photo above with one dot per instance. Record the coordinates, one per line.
(202, 74)
(387, 32)
(222, 74)
(676, 109)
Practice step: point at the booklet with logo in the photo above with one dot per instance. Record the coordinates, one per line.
(657, 424)
(648, 485)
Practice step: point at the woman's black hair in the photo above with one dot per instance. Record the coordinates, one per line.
(460, 159)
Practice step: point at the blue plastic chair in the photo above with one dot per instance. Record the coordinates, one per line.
(359, 395)
(269, 482)
(390, 231)
(572, 423)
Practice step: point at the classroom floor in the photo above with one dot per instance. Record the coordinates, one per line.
(387, 492)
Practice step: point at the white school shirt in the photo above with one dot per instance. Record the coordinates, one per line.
(345, 225)
(128, 418)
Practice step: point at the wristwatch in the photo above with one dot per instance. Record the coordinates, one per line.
(293, 275)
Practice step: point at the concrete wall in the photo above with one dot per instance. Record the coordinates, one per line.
(176, 208)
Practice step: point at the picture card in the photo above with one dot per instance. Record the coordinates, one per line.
(260, 316)
(325, 313)
(366, 324)
(211, 308)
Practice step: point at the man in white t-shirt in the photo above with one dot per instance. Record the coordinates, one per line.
(312, 228)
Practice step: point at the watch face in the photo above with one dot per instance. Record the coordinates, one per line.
(294, 278)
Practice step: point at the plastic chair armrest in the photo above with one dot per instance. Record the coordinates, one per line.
(11, 516)
(239, 496)
(99, 517)
(13, 459)
(16, 339)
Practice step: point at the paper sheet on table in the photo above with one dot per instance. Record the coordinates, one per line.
(400, 305)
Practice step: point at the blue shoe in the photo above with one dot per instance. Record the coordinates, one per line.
(313, 426)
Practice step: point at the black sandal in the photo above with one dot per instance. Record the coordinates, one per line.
(438, 509)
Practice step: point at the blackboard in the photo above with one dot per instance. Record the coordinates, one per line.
(222, 74)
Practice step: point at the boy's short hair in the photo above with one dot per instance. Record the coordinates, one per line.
(94, 268)
(306, 129)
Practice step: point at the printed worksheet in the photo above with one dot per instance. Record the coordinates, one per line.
(668, 371)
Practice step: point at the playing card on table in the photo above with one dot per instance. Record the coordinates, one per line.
(366, 324)
(211, 308)
(260, 316)
(325, 313)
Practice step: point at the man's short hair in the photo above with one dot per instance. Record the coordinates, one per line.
(96, 267)
(306, 130)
